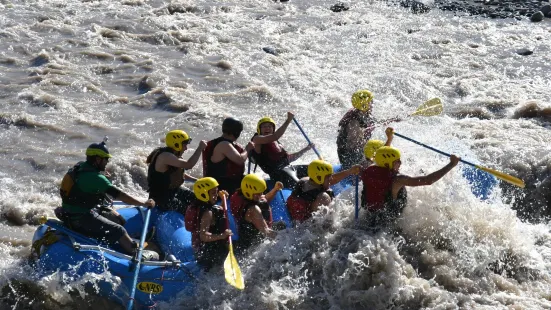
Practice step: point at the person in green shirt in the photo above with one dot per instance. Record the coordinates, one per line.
(84, 191)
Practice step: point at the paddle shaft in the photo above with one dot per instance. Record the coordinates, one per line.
(225, 206)
(357, 209)
(139, 258)
(433, 149)
(306, 137)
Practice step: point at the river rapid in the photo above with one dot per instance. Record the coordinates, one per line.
(74, 72)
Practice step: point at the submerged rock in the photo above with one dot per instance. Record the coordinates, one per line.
(536, 17)
(415, 6)
(339, 7)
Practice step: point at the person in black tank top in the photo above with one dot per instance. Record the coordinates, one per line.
(165, 174)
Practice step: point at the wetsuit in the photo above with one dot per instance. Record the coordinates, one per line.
(352, 155)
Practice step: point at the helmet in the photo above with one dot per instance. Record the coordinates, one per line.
(361, 99)
(202, 187)
(371, 147)
(252, 184)
(264, 120)
(232, 126)
(175, 139)
(385, 156)
(318, 170)
(98, 149)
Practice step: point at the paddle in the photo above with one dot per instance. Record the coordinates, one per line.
(138, 259)
(305, 136)
(431, 107)
(500, 175)
(231, 267)
(357, 210)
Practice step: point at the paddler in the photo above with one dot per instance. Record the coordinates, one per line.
(166, 172)
(270, 155)
(384, 194)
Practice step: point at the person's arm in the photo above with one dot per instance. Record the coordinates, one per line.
(403, 180)
(171, 159)
(271, 194)
(254, 216)
(322, 199)
(150, 203)
(204, 233)
(389, 135)
(294, 156)
(339, 176)
(277, 134)
(231, 153)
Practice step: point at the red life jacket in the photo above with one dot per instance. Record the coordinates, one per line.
(239, 206)
(226, 172)
(272, 157)
(192, 222)
(299, 202)
(377, 182)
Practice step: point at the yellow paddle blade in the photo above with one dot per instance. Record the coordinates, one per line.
(503, 176)
(430, 108)
(232, 272)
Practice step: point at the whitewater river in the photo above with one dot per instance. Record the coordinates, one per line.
(72, 72)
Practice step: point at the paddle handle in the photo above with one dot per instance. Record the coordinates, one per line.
(433, 149)
(306, 137)
(138, 263)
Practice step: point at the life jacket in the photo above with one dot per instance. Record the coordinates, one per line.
(299, 202)
(226, 172)
(163, 185)
(72, 195)
(248, 233)
(352, 114)
(213, 253)
(272, 157)
(377, 183)
(192, 221)
(239, 206)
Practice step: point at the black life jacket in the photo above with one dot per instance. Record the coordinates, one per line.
(163, 185)
(213, 253)
(72, 195)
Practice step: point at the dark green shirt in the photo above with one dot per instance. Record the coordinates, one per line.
(92, 182)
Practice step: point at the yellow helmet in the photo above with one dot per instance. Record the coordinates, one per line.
(386, 156)
(175, 139)
(252, 184)
(264, 120)
(361, 99)
(202, 187)
(371, 147)
(318, 170)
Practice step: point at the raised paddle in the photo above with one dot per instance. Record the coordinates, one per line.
(138, 260)
(305, 136)
(500, 175)
(431, 107)
(232, 272)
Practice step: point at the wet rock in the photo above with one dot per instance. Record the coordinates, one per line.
(537, 17)
(339, 7)
(525, 52)
(413, 30)
(546, 10)
(40, 60)
(415, 6)
(145, 85)
(270, 50)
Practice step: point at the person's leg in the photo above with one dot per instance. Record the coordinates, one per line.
(287, 176)
(96, 226)
(183, 197)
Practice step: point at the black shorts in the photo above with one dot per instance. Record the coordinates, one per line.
(96, 224)
(178, 201)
